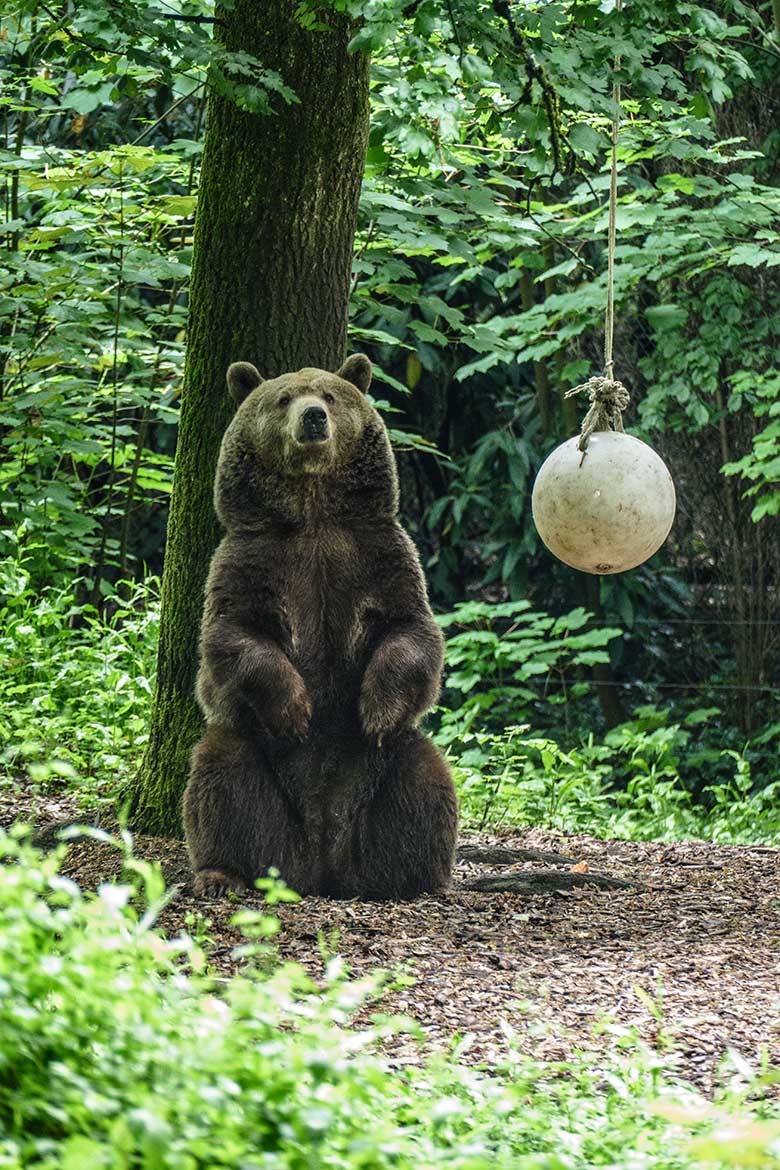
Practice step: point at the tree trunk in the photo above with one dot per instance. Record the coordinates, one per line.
(609, 697)
(273, 243)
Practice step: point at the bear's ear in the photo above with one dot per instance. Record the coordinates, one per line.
(242, 379)
(357, 370)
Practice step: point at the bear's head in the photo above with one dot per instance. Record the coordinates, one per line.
(302, 447)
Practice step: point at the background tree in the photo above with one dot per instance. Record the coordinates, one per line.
(270, 284)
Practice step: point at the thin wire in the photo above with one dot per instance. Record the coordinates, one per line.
(702, 622)
(699, 686)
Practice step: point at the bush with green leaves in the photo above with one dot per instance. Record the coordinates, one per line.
(633, 784)
(118, 1049)
(495, 652)
(77, 684)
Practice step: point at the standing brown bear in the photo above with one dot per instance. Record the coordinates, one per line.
(319, 654)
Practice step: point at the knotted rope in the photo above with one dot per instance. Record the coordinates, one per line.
(608, 398)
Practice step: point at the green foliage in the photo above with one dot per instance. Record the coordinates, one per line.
(761, 466)
(498, 650)
(77, 685)
(461, 138)
(96, 258)
(92, 289)
(118, 1049)
(635, 785)
(88, 57)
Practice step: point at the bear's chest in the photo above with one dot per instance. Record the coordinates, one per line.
(327, 597)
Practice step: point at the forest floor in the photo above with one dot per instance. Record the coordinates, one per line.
(691, 961)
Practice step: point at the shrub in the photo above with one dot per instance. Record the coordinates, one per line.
(628, 786)
(77, 687)
(506, 660)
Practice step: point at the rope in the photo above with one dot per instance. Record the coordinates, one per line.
(608, 398)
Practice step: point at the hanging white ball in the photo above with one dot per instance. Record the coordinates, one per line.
(609, 511)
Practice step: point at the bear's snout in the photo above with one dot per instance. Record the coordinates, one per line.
(313, 426)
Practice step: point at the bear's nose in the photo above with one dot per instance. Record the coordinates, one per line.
(314, 424)
(314, 415)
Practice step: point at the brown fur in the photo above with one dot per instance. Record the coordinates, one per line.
(319, 654)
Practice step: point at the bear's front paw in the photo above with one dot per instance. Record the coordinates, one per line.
(381, 715)
(290, 717)
(296, 715)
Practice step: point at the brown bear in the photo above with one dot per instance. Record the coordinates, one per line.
(318, 656)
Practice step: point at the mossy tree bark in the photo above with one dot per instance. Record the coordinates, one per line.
(271, 270)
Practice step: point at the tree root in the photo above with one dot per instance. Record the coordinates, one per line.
(498, 855)
(546, 881)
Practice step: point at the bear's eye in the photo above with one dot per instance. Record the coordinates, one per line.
(329, 398)
(285, 400)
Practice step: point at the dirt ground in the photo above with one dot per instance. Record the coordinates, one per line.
(691, 961)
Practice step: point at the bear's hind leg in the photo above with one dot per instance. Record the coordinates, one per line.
(237, 821)
(404, 839)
